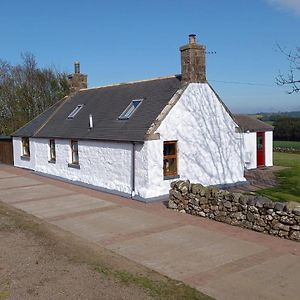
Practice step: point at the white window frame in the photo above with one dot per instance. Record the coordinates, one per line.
(75, 111)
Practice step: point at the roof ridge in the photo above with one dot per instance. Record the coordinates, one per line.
(130, 82)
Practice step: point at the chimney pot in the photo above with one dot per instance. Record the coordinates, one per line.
(192, 38)
(77, 67)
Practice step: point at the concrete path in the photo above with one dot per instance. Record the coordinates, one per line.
(222, 261)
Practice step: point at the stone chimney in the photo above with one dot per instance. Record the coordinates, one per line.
(193, 67)
(77, 80)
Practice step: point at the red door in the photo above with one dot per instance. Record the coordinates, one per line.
(260, 144)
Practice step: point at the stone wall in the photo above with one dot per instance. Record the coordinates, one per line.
(286, 150)
(252, 212)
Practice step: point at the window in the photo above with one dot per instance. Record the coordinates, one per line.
(25, 147)
(75, 111)
(130, 109)
(52, 150)
(74, 150)
(170, 159)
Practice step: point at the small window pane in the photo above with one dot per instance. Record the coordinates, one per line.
(74, 149)
(170, 149)
(130, 109)
(75, 111)
(170, 158)
(260, 144)
(25, 146)
(52, 149)
(170, 166)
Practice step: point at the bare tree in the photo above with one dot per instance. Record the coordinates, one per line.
(26, 91)
(292, 77)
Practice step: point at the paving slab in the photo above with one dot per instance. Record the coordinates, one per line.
(65, 205)
(275, 279)
(32, 192)
(15, 182)
(216, 258)
(108, 224)
(4, 174)
(184, 251)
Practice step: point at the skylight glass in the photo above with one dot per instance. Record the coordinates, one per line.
(75, 111)
(130, 109)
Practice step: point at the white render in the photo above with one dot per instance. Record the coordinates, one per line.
(104, 164)
(250, 150)
(210, 151)
(269, 148)
(250, 141)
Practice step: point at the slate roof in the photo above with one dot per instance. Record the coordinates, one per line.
(252, 124)
(105, 104)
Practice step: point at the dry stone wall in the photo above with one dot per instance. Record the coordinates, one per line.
(253, 212)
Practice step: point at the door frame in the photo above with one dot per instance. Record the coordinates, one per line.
(262, 151)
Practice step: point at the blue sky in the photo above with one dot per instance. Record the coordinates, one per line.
(119, 41)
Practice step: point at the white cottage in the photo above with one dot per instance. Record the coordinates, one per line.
(133, 139)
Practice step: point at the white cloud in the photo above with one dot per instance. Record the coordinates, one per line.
(291, 5)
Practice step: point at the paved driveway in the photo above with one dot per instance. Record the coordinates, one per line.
(222, 261)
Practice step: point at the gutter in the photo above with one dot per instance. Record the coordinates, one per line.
(133, 170)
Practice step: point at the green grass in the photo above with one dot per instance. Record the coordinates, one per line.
(157, 289)
(287, 145)
(289, 179)
(4, 295)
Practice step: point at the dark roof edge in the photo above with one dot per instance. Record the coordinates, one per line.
(95, 139)
(264, 126)
(131, 82)
(163, 114)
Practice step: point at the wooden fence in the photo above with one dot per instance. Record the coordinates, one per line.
(6, 151)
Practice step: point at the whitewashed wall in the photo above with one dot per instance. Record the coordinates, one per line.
(209, 150)
(269, 148)
(18, 152)
(250, 150)
(103, 164)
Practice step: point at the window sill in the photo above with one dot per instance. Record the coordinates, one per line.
(75, 166)
(52, 161)
(171, 177)
(23, 157)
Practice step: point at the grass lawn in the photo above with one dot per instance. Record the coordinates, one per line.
(287, 144)
(289, 187)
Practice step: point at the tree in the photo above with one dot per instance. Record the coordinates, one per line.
(26, 91)
(292, 78)
(287, 129)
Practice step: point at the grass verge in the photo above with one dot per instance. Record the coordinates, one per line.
(289, 179)
(101, 260)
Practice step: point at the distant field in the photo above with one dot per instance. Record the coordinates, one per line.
(287, 145)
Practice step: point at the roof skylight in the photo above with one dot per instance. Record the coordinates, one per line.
(130, 109)
(75, 111)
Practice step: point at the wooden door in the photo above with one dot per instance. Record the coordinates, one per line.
(6, 152)
(260, 145)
